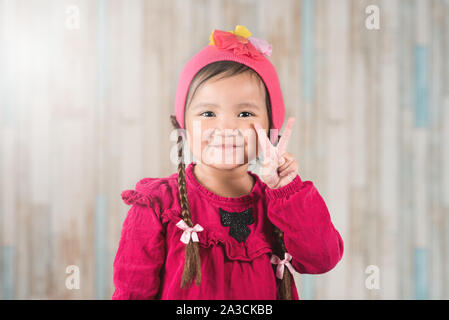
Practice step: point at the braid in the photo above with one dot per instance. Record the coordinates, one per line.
(192, 263)
(285, 289)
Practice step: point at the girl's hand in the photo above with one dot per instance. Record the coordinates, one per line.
(279, 167)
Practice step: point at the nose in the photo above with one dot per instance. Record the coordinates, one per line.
(227, 131)
(227, 136)
(226, 126)
(224, 134)
(226, 123)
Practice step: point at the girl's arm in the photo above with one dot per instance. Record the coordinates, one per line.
(140, 255)
(299, 211)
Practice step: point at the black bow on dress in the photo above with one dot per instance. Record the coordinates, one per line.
(238, 223)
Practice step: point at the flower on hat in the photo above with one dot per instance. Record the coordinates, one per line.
(241, 42)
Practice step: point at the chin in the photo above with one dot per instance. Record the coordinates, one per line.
(225, 166)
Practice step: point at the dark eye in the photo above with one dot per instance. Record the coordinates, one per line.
(206, 112)
(246, 112)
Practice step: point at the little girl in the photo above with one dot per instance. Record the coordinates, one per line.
(214, 229)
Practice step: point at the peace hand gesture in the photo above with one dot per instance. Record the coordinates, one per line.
(278, 167)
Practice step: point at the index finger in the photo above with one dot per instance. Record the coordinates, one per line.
(265, 144)
(285, 137)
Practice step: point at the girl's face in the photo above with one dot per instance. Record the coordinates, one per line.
(219, 119)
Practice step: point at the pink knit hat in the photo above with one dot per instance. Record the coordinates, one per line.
(236, 46)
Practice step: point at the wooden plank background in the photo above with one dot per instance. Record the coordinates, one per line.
(87, 87)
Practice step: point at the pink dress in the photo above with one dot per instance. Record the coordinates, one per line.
(235, 245)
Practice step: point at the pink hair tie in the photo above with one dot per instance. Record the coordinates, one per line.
(189, 231)
(280, 268)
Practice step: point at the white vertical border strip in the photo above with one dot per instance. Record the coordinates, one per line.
(357, 135)
(153, 79)
(337, 165)
(445, 187)
(420, 159)
(405, 232)
(389, 141)
(307, 86)
(129, 93)
(101, 275)
(38, 144)
(8, 217)
(320, 103)
(435, 216)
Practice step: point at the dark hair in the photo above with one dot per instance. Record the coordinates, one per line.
(192, 264)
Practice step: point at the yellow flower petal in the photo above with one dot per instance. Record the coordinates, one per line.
(211, 38)
(242, 31)
(239, 31)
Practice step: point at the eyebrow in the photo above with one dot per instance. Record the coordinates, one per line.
(242, 104)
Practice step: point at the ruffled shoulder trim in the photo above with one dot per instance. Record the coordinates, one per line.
(131, 197)
(254, 246)
(150, 191)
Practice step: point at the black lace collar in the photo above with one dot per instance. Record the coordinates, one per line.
(237, 222)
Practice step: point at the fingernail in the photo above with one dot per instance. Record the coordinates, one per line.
(282, 161)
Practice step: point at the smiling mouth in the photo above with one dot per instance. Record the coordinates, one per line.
(225, 146)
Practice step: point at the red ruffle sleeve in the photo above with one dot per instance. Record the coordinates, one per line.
(141, 250)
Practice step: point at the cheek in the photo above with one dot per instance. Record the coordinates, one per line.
(199, 137)
(251, 141)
